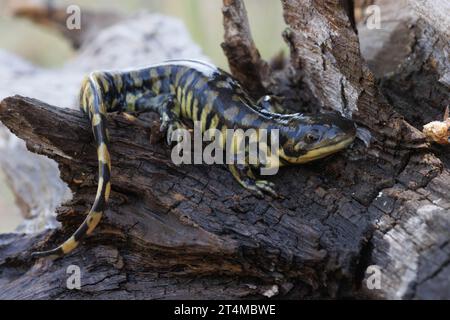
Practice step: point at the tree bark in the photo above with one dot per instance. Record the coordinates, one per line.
(244, 59)
(409, 56)
(192, 232)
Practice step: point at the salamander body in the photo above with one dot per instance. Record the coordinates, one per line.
(181, 90)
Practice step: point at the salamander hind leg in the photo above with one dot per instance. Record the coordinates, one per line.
(168, 109)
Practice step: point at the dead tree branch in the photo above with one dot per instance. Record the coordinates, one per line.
(193, 232)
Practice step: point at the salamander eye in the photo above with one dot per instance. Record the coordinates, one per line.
(311, 138)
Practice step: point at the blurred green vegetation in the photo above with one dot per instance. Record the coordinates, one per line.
(203, 19)
(39, 45)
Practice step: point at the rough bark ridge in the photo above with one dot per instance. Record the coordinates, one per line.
(409, 54)
(192, 232)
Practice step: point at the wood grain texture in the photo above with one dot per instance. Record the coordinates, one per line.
(192, 232)
(174, 230)
(243, 57)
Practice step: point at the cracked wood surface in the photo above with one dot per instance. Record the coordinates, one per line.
(192, 232)
(409, 57)
(174, 230)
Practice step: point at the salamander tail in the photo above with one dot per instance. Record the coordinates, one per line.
(92, 105)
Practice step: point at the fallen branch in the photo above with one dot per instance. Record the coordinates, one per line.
(191, 231)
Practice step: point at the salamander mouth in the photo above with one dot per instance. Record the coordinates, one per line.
(322, 152)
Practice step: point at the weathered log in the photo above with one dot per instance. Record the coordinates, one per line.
(244, 59)
(188, 222)
(192, 232)
(409, 56)
(174, 230)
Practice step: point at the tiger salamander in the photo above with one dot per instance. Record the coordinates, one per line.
(191, 90)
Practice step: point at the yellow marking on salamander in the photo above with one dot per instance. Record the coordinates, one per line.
(91, 102)
(204, 115)
(223, 84)
(118, 81)
(179, 94)
(137, 80)
(189, 80)
(223, 136)
(156, 85)
(154, 74)
(96, 119)
(131, 101)
(179, 75)
(103, 155)
(69, 245)
(182, 101)
(104, 82)
(167, 72)
(93, 221)
(107, 191)
(236, 98)
(214, 122)
(188, 105)
(194, 110)
(101, 184)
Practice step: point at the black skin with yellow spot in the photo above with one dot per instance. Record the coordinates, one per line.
(191, 90)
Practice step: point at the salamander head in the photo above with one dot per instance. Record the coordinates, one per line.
(307, 138)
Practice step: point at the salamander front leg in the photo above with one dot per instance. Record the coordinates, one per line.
(135, 121)
(272, 104)
(170, 121)
(245, 176)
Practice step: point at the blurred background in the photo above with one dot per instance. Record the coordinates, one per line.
(203, 18)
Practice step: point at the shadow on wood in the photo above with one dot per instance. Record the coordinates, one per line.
(191, 231)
